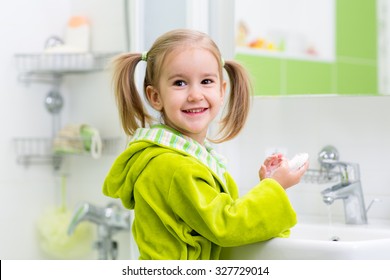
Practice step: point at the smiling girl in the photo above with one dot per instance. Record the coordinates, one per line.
(186, 205)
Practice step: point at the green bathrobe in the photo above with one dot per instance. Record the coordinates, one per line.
(186, 205)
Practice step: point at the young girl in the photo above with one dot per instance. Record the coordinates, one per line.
(186, 205)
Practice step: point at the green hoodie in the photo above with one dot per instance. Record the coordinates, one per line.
(186, 205)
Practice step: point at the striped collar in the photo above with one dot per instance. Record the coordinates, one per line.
(167, 137)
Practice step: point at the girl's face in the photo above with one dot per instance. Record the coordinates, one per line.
(190, 92)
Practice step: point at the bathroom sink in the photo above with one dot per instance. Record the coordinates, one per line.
(320, 241)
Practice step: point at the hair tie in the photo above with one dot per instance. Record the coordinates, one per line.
(222, 62)
(144, 56)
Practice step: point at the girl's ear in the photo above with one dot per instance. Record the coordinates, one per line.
(223, 90)
(154, 98)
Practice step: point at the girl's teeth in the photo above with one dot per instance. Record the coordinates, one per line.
(195, 111)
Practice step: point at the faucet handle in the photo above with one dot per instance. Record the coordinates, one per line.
(77, 217)
(85, 211)
(117, 217)
(372, 202)
(111, 216)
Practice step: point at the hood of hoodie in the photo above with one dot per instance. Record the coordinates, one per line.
(123, 174)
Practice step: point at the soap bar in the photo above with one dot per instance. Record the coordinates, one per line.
(298, 161)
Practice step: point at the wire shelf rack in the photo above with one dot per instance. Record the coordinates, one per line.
(321, 176)
(49, 68)
(40, 151)
(61, 63)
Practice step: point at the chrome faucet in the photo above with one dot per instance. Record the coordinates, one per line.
(109, 220)
(349, 190)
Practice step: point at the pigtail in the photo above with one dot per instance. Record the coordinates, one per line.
(130, 105)
(239, 101)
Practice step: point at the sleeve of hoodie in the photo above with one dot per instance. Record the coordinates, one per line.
(263, 213)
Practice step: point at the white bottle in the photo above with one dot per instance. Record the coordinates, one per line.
(77, 34)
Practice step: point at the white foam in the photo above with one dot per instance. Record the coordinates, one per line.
(298, 161)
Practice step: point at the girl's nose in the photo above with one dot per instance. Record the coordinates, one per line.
(195, 94)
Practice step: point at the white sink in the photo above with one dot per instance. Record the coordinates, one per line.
(320, 241)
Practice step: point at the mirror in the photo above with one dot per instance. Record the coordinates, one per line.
(317, 47)
(313, 47)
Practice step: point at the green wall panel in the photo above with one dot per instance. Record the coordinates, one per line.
(356, 79)
(356, 23)
(308, 77)
(265, 72)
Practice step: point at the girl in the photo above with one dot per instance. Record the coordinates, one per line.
(186, 205)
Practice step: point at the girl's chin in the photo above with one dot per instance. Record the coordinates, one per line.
(198, 135)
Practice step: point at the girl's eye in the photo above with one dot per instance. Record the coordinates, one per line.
(179, 83)
(207, 81)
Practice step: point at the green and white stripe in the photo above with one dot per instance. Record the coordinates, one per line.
(166, 137)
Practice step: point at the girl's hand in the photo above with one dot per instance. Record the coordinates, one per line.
(286, 177)
(270, 164)
(276, 167)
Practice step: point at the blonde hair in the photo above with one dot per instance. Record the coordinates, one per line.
(132, 111)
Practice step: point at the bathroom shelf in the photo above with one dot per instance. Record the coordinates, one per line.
(46, 67)
(281, 54)
(320, 176)
(39, 151)
(49, 67)
(62, 63)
